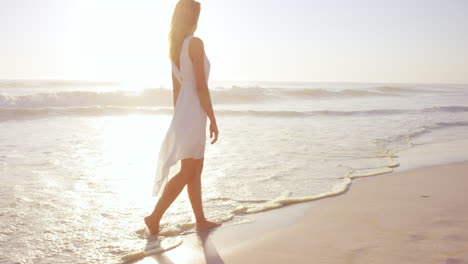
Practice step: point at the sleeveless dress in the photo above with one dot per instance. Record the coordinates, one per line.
(186, 136)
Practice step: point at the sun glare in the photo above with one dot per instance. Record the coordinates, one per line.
(125, 40)
(130, 142)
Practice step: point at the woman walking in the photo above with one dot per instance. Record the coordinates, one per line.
(184, 143)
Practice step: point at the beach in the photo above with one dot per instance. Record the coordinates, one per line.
(341, 132)
(415, 216)
(77, 163)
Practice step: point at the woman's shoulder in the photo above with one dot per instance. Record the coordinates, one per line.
(196, 42)
(196, 46)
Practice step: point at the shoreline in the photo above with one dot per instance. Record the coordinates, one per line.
(232, 244)
(414, 216)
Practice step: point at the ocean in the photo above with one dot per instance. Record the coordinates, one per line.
(77, 159)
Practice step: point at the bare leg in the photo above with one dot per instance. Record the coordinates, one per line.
(194, 192)
(171, 191)
(195, 196)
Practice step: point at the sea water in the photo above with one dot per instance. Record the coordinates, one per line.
(78, 159)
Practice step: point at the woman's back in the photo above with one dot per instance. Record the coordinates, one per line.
(185, 72)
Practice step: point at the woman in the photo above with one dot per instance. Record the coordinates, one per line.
(186, 137)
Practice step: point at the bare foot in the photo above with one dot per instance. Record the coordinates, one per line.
(206, 225)
(153, 226)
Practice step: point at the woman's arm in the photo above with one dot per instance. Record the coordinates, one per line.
(197, 55)
(175, 89)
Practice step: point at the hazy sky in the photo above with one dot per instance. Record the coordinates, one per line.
(245, 40)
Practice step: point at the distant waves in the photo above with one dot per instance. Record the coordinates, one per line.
(26, 113)
(163, 97)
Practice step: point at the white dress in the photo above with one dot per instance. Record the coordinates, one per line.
(186, 136)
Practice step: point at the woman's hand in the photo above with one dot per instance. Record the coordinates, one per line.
(213, 131)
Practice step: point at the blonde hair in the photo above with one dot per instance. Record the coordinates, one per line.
(184, 22)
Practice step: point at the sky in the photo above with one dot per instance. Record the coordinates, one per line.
(409, 41)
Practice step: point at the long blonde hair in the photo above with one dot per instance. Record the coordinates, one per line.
(184, 22)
